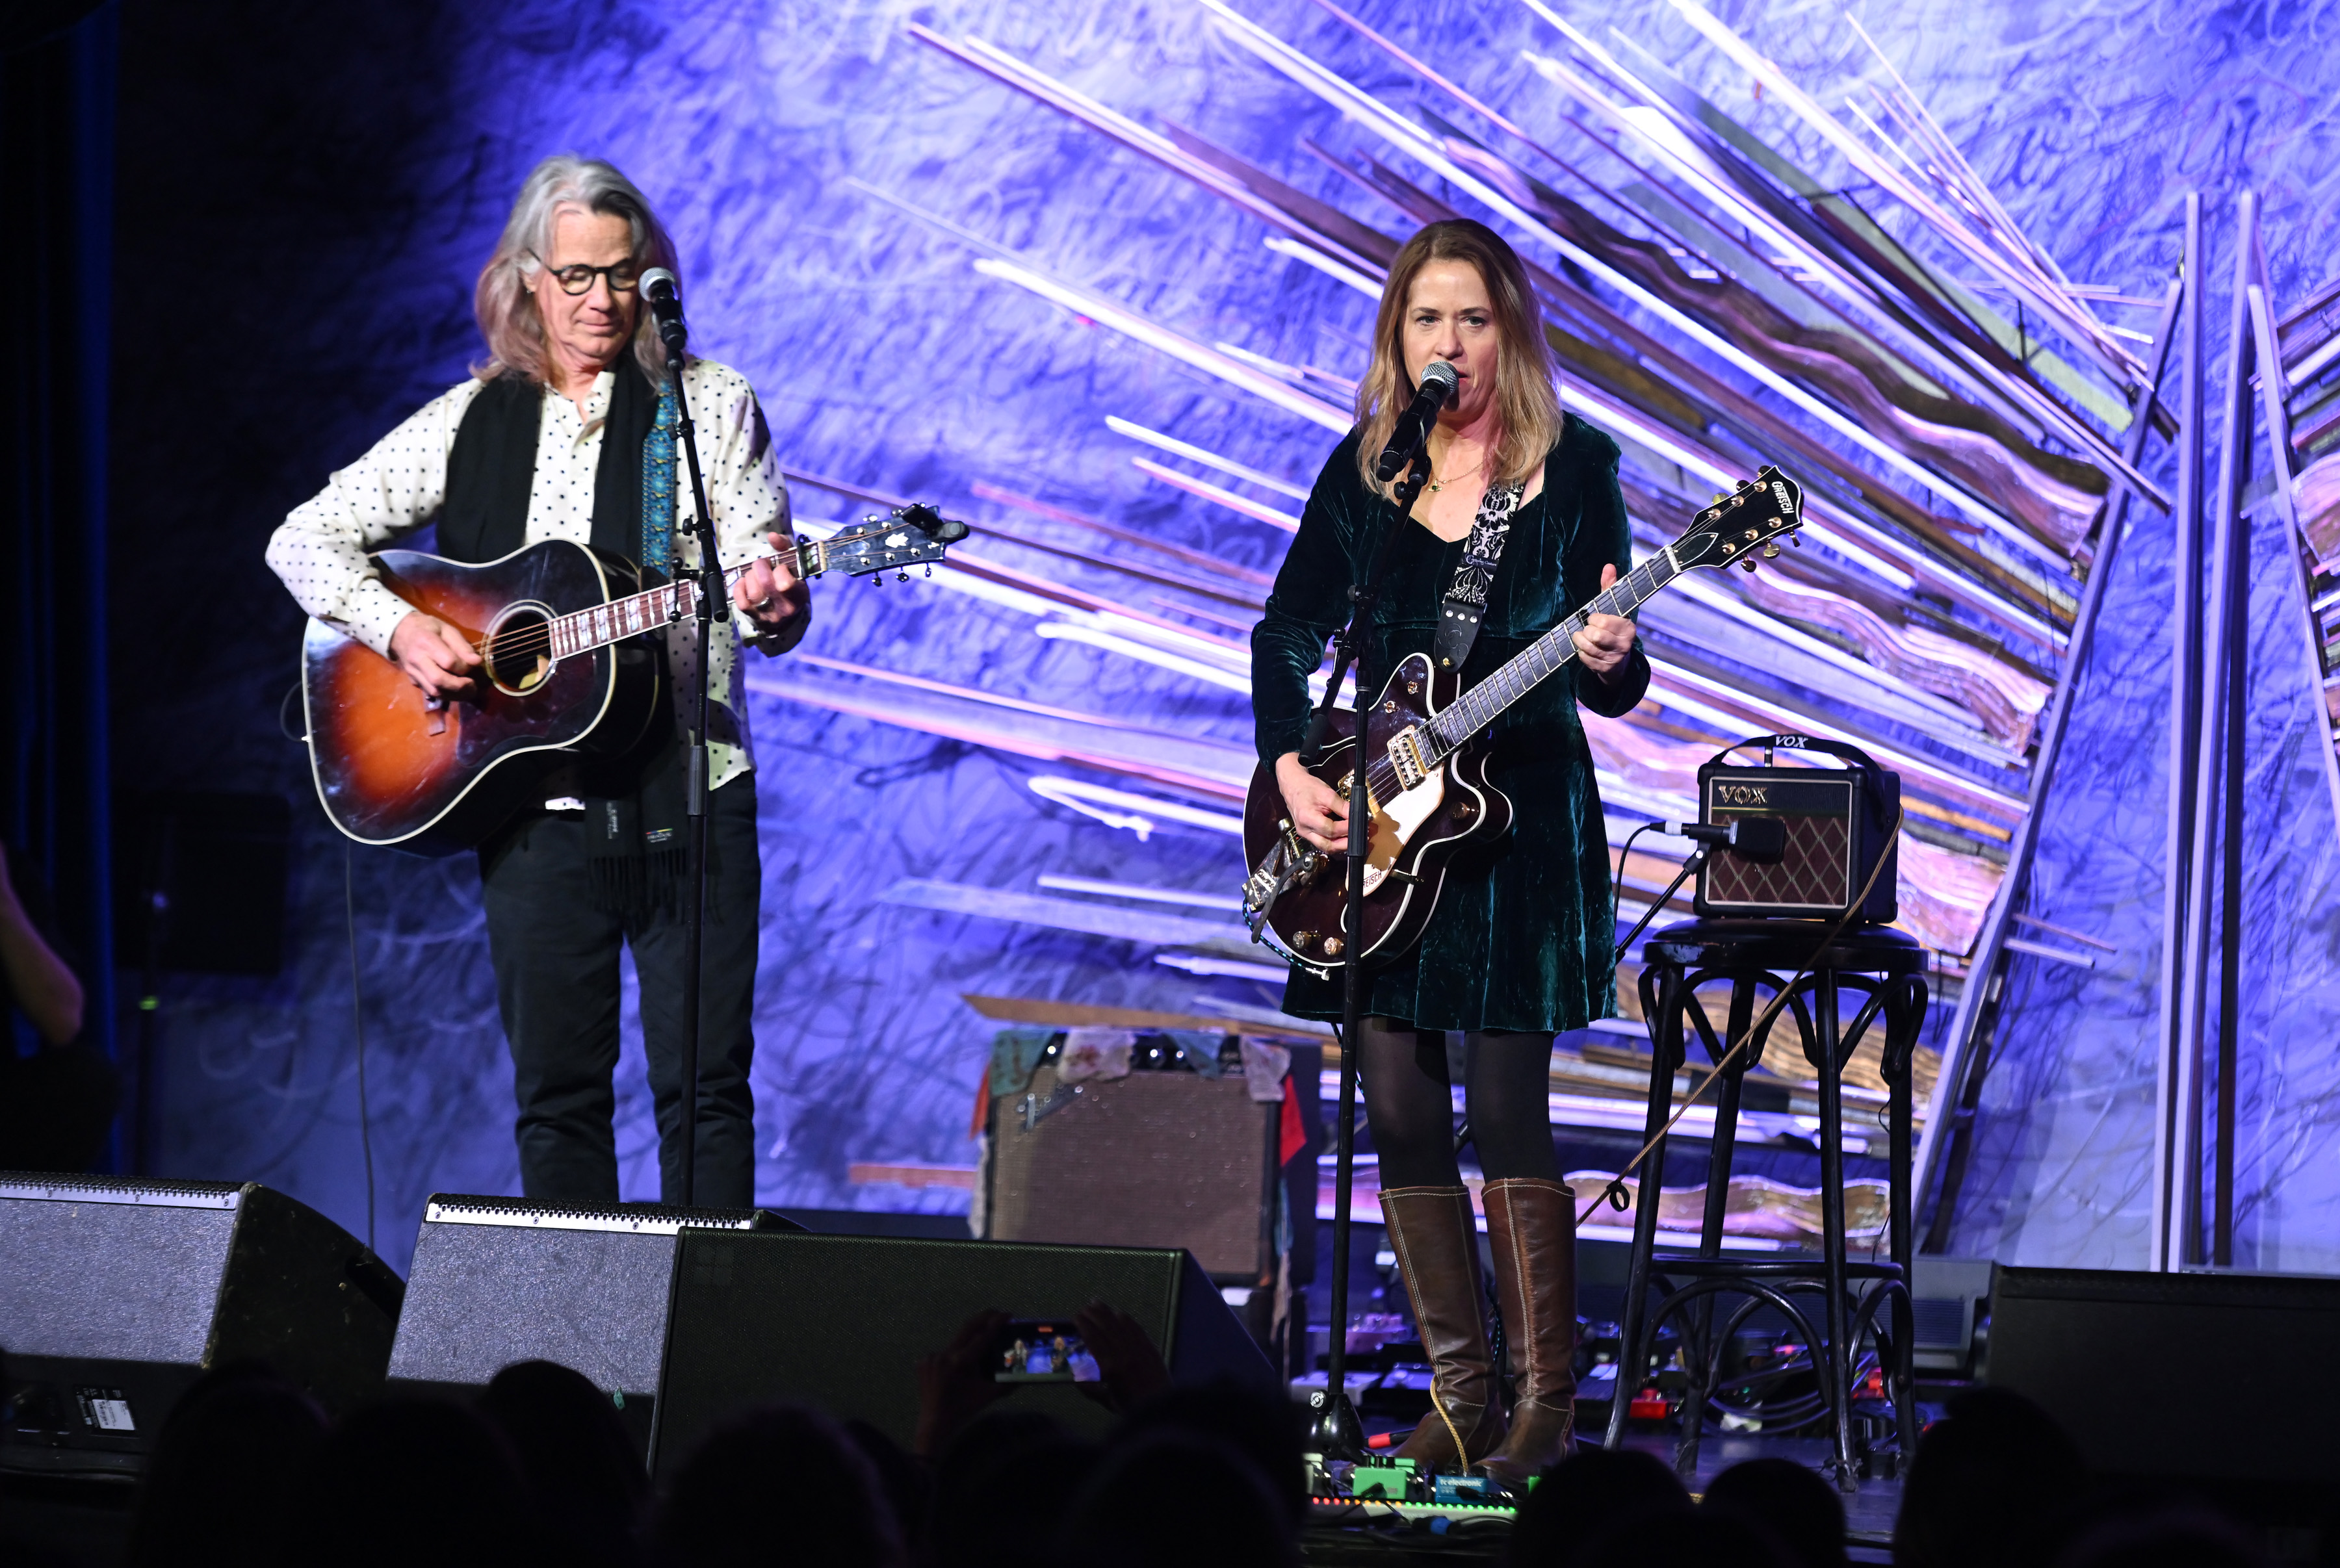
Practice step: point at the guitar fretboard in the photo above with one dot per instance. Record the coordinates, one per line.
(1480, 706)
(582, 630)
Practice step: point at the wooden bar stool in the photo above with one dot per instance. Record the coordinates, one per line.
(1855, 1300)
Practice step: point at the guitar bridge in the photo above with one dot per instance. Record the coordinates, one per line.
(1407, 755)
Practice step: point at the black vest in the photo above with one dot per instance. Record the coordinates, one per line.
(493, 466)
(636, 805)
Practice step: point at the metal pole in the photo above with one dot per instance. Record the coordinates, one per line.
(1962, 1059)
(2184, 720)
(2274, 395)
(2182, 1242)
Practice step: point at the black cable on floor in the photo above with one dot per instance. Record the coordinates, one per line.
(357, 1014)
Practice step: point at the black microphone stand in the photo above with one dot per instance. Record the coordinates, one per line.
(1335, 1432)
(712, 592)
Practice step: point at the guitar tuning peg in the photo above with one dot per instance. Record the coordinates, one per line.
(929, 571)
(1749, 563)
(901, 576)
(1771, 551)
(1797, 540)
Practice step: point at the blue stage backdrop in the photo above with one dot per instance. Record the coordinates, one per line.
(307, 194)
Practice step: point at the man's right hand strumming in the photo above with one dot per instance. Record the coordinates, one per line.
(435, 656)
(1318, 813)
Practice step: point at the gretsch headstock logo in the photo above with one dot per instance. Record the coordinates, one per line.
(1739, 795)
(1780, 494)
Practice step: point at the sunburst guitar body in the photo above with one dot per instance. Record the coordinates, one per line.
(572, 669)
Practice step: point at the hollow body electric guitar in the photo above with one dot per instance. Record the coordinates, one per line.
(570, 673)
(1426, 773)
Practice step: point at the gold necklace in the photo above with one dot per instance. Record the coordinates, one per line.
(1438, 484)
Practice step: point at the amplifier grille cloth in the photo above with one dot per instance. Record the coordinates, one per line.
(1153, 1159)
(1811, 873)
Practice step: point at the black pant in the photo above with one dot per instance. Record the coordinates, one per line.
(1410, 1104)
(557, 984)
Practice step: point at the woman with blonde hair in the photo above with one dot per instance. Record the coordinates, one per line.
(1524, 500)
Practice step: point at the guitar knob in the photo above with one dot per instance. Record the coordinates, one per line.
(1332, 947)
(1304, 940)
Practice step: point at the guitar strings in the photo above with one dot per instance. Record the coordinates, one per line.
(522, 642)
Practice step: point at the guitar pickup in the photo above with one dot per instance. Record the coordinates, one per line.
(1406, 755)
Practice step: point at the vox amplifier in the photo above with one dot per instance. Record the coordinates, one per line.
(1838, 823)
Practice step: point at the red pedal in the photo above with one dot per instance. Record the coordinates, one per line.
(1649, 1404)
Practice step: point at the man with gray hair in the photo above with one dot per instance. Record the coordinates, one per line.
(567, 431)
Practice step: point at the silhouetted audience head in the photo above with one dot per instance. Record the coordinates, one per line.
(588, 1485)
(2183, 1536)
(1991, 1486)
(220, 1482)
(1172, 1499)
(1261, 1425)
(1583, 1498)
(1686, 1540)
(905, 1485)
(781, 1484)
(1002, 1487)
(413, 1481)
(1793, 1503)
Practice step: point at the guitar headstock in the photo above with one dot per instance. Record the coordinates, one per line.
(906, 536)
(1752, 518)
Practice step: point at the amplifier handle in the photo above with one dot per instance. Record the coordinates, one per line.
(1835, 748)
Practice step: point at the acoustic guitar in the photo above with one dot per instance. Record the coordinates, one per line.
(571, 671)
(1426, 776)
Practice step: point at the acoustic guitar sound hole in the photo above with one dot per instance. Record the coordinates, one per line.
(519, 652)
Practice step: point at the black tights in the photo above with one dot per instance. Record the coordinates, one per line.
(1410, 1103)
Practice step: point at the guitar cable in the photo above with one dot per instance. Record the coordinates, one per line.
(357, 1015)
(1615, 1194)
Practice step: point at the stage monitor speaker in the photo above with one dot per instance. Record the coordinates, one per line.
(838, 1322)
(1149, 1159)
(117, 1294)
(2161, 1374)
(497, 1280)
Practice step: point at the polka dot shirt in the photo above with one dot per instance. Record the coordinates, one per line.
(320, 551)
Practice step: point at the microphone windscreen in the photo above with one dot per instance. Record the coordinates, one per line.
(1440, 374)
(1761, 839)
(659, 283)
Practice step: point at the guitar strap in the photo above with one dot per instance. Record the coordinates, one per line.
(1466, 598)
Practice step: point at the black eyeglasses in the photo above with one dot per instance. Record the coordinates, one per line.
(578, 279)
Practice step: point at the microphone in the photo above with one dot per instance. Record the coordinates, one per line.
(1761, 839)
(660, 289)
(1438, 383)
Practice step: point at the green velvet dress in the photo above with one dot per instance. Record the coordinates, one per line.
(1522, 935)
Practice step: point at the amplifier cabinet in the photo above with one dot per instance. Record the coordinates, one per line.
(1153, 1159)
(1837, 822)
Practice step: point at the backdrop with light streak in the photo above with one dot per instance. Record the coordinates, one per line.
(1098, 279)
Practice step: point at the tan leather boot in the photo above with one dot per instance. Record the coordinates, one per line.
(1437, 1239)
(1532, 1225)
